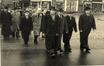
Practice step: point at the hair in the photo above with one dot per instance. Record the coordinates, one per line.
(87, 8)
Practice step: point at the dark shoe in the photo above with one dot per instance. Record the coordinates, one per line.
(52, 54)
(59, 52)
(48, 52)
(88, 50)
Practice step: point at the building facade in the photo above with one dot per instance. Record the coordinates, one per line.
(41, 3)
(71, 5)
(95, 5)
(10, 3)
(67, 5)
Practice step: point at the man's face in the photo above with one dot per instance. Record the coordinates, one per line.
(26, 13)
(39, 11)
(60, 13)
(70, 15)
(88, 11)
(52, 12)
(5, 10)
(44, 11)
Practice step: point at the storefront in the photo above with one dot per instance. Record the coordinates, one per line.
(71, 5)
(59, 4)
(41, 3)
(10, 3)
(96, 5)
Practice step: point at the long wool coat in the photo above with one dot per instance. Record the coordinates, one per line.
(37, 23)
(6, 22)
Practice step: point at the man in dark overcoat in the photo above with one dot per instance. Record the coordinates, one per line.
(71, 24)
(62, 28)
(51, 31)
(26, 26)
(86, 23)
(6, 22)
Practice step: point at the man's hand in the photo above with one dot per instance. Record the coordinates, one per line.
(43, 34)
(57, 34)
(81, 31)
(66, 32)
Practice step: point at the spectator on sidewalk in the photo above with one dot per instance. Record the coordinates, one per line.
(6, 22)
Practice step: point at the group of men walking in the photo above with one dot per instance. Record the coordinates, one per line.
(55, 24)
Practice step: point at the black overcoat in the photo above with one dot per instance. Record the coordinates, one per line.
(6, 22)
(51, 27)
(26, 25)
(71, 23)
(86, 22)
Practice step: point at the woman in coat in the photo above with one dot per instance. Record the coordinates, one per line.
(15, 24)
(26, 26)
(37, 17)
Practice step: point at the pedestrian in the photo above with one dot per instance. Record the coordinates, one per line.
(26, 26)
(15, 24)
(6, 22)
(44, 13)
(71, 24)
(86, 23)
(51, 31)
(37, 18)
(62, 26)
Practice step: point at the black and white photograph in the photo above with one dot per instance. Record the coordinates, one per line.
(51, 32)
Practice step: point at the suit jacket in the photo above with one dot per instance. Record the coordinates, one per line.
(26, 24)
(51, 27)
(71, 23)
(62, 25)
(86, 22)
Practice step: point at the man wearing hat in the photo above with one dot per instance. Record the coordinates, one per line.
(51, 31)
(86, 23)
(71, 24)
